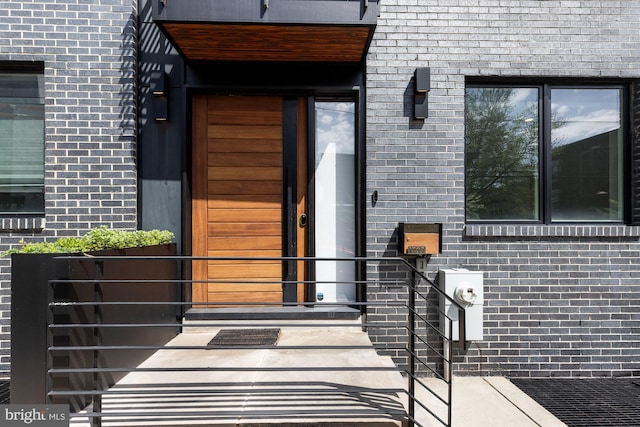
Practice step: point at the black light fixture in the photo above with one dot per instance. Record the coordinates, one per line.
(159, 87)
(158, 83)
(160, 110)
(422, 77)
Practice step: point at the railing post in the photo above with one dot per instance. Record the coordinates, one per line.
(412, 347)
(449, 373)
(98, 298)
(50, 320)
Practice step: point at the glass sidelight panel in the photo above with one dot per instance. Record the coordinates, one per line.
(334, 190)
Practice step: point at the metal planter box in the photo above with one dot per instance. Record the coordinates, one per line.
(31, 294)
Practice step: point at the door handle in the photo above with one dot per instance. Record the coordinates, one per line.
(303, 220)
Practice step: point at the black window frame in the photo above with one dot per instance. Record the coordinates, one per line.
(544, 87)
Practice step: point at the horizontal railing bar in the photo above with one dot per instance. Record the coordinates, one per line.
(230, 369)
(219, 325)
(175, 417)
(426, 387)
(233, 391)
(228, 303)
(198, 325)
(437, 417)
(288, 413)
(419, 318)
(433, 414)
(416, 423)
(113, 325)
(435, 328)
(419, 360)
(432, 348)
(228, 258)
(435, 307)
(213, 348)
(435, 350)
(188, 303)
(126, 281)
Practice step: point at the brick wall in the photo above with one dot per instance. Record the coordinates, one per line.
(88, 51)
(559, 300)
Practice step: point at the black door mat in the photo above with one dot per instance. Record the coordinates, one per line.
(246, 338)
(587, 402)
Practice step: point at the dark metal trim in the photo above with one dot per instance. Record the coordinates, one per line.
(290, 191)
(544, 154)
(288, 78)
(629, 141)
(316, 12)
(361, 191)
(311, 197)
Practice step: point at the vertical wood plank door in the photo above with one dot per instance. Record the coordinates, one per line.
(237, 200)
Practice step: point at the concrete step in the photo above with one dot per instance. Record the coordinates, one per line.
(263, 387)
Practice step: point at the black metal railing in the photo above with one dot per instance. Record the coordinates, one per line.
(172, 371)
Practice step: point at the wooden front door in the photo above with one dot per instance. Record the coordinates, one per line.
(248, 155)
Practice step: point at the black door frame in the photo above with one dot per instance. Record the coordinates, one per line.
(290, 193)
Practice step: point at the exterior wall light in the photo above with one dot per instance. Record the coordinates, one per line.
(421, 95)
(158, 85)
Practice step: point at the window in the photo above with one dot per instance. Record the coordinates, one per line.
(544, 153)
(21, 143)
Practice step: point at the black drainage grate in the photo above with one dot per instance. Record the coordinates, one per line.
(4, 392)
(245, 337)
(587, 402)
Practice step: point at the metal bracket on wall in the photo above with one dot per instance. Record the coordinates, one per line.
(421, 263)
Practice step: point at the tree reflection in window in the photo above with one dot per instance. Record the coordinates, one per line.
(501, 158)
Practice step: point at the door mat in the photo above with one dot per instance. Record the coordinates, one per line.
(246, 337)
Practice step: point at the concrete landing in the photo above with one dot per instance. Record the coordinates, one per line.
(485, 402)
(288, 388)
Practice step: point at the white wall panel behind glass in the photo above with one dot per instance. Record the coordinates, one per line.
(334, 188)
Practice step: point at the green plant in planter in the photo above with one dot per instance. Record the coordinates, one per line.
(98, 239)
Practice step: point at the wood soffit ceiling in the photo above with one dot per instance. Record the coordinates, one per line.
(269, 42)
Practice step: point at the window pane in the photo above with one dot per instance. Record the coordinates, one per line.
(586, 141)
(21, 144)
(501, 157)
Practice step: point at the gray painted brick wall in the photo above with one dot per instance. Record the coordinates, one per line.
(559, 300)
(88, 51)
